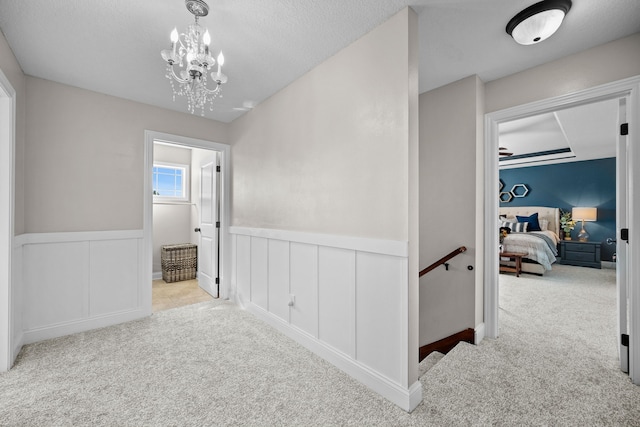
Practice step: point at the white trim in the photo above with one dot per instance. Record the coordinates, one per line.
(633, 254)
(407, 399)
(335, 290)
(225, 215)
(67, 328)
(629, 87)
(75, 236)
(479, 334)
(379, 246)
(7, 197)
(88, 319)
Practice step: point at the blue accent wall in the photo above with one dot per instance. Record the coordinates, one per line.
(590, 183)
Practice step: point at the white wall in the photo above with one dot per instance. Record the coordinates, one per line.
(329, 153)
(335, 154)
(448, 208)
(84, 164)
(84, 174)
(344, 298)
(77, 281)
(609, 62)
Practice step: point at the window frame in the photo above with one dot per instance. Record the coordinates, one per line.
(186, 183)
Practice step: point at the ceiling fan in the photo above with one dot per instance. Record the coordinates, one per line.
(503, 152)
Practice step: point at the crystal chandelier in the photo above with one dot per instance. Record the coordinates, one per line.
(190, 54)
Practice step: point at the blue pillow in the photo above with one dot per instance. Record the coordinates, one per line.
(534, 225)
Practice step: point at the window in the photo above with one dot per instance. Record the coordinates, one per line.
(170, 182)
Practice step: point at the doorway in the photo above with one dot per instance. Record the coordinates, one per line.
(185, 211)
(202, 155)
(629, 90)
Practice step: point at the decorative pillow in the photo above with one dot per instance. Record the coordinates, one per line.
(515, 227)
(544, 224)
(532, 220)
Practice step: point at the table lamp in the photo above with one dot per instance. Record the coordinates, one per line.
(584, 214)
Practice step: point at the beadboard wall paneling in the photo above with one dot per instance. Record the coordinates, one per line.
(78, 281)
(341, 297)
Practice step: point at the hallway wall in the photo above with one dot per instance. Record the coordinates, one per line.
(329, 166)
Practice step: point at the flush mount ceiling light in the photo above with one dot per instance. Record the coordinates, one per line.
(190, 53)
(538, 22)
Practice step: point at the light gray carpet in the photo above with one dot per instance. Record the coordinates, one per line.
(555, 362)
(213, 364)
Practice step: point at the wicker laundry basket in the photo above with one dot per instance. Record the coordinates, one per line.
(179, 262)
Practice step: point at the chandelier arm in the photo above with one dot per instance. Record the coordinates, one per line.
(175, 76)
(211, 91)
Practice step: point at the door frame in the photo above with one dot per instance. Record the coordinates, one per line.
(629, 88)
(8, 348)
(225, 208)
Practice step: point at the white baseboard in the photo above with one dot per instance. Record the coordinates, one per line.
(407, 399)
(479, 334)
(68, 328)
(17, 346)
(157, 275)
(609, 264)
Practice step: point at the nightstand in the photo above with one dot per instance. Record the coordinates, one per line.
(584, 254)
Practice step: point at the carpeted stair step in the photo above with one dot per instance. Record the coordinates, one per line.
(429, 362)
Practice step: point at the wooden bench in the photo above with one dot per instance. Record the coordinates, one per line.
(517, 257)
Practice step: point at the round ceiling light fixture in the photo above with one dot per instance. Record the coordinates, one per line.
(538, 22)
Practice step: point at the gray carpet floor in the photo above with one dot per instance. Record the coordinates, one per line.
(555, 363)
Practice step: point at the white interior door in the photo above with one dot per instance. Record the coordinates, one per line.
(622, 273)
(208, 247)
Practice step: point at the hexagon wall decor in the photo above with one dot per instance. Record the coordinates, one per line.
(519, 190)
(505, 197)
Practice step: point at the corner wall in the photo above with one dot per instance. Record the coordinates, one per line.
(84, 170)
(449, 163)
(325, 210)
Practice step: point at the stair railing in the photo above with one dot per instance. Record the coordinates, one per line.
(443, 261)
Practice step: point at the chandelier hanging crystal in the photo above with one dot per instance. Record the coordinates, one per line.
(190, 54)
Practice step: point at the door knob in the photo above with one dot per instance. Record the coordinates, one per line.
(197, 229)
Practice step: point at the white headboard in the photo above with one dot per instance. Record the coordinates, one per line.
(550, 214)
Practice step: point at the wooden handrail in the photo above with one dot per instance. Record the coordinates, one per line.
(442, 261)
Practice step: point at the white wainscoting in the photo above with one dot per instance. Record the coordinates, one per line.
(73, 282)
(341, 297)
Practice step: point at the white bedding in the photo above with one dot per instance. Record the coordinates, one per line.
(536, 248)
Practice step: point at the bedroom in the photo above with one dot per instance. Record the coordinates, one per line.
(563, 160)
(560, 161)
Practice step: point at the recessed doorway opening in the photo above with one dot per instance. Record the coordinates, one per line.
(186, 220)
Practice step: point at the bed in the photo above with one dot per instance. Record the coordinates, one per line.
(540, 247)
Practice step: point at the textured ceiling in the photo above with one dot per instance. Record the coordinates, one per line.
(113, 46)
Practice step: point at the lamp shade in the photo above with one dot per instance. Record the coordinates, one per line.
(584, 214)
(538, 22)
